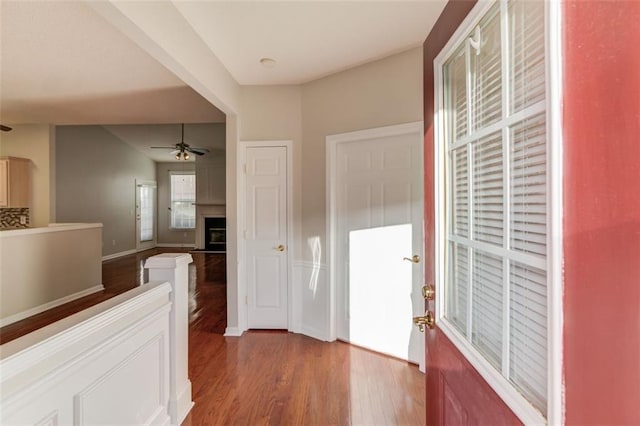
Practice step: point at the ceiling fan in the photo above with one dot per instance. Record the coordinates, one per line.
(182, 149)
(5, 128)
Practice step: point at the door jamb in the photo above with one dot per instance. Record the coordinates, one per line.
(241, 200)
(332, 142)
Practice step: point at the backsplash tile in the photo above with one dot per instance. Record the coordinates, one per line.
(10, 218)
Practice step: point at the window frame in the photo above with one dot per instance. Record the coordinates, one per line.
(171, 211)
(553, 51)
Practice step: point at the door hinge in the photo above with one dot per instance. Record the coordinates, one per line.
(244, 167)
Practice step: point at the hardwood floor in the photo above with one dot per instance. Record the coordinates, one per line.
(266, 377)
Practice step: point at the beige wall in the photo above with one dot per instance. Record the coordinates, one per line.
(95, 182)
(381, 93)
(166, 235)
(275, 113)
(37, 143)
(37, 268)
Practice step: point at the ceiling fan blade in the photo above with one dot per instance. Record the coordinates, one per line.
(5, 128)
(197, 151)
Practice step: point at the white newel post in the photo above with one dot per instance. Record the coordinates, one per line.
(174, 268)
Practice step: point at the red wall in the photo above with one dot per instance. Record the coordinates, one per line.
(602, 212)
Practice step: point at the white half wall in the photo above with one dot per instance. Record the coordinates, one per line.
(108, 364)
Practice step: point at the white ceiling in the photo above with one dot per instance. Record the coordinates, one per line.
(63, 63)
(308, 39)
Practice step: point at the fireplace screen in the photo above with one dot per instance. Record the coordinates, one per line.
(215, 234)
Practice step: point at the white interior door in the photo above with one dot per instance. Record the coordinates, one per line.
(378, 232)
(266, 237)
(146, 207)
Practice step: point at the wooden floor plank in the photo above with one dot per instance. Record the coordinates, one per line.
(264, 377)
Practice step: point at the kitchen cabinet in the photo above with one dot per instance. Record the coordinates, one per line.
(15, 182)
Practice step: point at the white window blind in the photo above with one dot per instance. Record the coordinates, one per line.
(183, 199)
(496, 194)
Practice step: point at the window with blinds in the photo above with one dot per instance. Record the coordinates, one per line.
(495, 295)
(183, 200)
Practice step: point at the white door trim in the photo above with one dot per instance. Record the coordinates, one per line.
(332, 142)
(241, 199)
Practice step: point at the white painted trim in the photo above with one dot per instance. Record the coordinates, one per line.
(38, 309)
(183, 404)
(305, 273)
(520, 406)
(53, 227)
(309, 264)
(555, 255)
(233, 332)
(314, 333)
(332, 142)
(175, 245)
(119, 254)
(292, 295)
(330, 235)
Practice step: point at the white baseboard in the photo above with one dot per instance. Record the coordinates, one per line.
(233, 332)
(38, 309)
(120, 254)
(183, 404)
(316, 334)
(176, 245)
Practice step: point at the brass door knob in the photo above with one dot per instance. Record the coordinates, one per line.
(428, 319)
(413, 259)
(280, 247)
(428, 292)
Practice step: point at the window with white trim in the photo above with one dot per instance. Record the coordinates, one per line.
(495, 193)
(183, 200)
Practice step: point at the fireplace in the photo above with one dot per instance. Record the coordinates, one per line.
(215, 234)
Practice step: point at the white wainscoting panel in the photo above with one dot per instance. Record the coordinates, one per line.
(108, 364)
(311, 280)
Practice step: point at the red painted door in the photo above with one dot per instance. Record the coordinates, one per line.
(456, 394)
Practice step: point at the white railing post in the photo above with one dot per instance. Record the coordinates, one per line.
(174, 268)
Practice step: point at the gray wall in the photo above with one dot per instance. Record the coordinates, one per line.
(166, 235)
(95, 182)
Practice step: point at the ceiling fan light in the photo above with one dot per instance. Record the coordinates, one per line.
(186, 155)
(177, 156)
